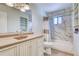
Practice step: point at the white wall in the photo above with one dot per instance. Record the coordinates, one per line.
(13, 17)
(37, 20)
(3, 22)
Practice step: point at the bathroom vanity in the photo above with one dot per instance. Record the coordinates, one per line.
(26, 44)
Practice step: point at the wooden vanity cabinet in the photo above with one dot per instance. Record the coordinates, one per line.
(33, 47)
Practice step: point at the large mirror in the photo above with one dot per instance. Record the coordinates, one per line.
(13, 20)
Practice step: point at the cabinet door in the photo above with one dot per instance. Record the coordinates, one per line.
(21, 49)
(34, 48)
(9, 51)
(28, 48)
(37, 47)
(24, 48)
(40, 46)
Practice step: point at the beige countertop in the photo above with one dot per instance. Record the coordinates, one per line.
(7, 41)
(8, 34)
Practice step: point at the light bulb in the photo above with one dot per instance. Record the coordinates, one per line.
(9, 4)
(22, 9)
(26, 7)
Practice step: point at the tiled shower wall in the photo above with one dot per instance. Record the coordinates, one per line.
(64, 30)
(61, 31)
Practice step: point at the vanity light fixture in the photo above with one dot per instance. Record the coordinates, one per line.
(21, 6)
(26, 7)
(9, 4)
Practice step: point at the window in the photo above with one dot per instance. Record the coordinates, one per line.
(55, 20)
(30, 25)
(23, 24)
(58, 20)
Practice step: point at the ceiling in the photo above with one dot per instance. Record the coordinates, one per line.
(45, 7)
(48, 7)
